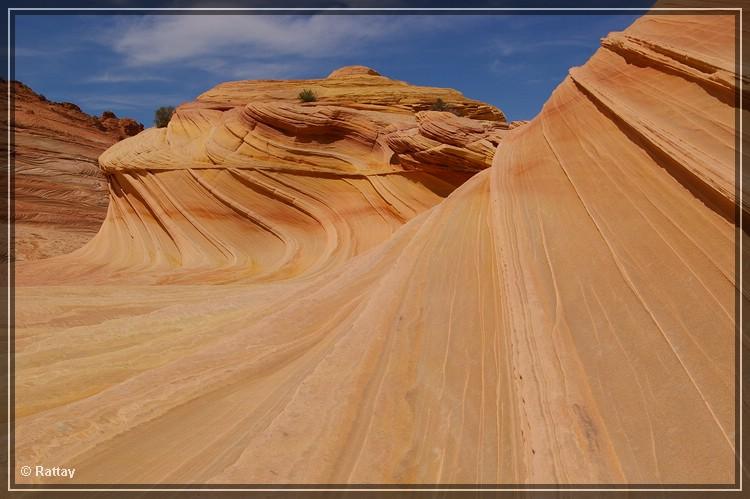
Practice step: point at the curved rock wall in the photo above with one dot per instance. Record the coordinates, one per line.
(273, 188)
(565, 316)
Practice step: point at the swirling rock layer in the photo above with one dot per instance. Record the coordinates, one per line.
(565, 316)
(352, 86)
(60, 193)
(272, 188)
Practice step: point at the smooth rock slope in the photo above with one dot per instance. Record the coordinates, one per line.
(566, 316)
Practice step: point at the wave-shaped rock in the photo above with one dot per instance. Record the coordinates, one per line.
(566, 316)
(269, 187)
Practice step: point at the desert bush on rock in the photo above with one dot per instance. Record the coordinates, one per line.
(162, 116)
(439, 105)
(307, 95)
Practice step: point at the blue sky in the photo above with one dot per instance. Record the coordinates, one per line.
(132, 64)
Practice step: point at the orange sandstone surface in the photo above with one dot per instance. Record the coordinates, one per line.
(248, 183)
(315, 293)
(60, 193)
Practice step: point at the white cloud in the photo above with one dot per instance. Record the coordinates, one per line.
(130, 101)
(503, 67)
(115, 77)
(152, 40)
(508, 47)
(42, 52)
(252, 70)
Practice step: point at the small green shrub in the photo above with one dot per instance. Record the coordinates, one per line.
(162, 116)
(439, 105)
(307, 95)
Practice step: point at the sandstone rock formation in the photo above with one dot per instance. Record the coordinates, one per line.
(60, 193)
(250, 183)
(565, 316)
(354, 87)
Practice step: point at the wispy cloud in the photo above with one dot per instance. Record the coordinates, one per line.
(155, 40)
(115, 77)
(134, 101)
(46, 51)
(252, 69)
(509, 47)
(503, 67)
